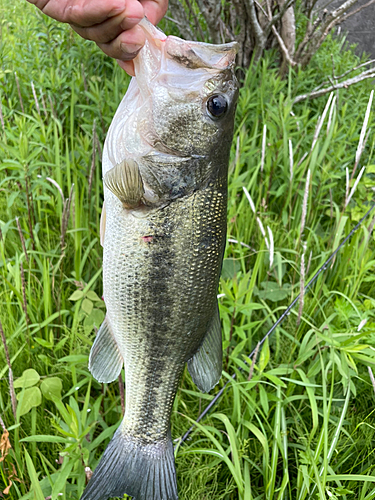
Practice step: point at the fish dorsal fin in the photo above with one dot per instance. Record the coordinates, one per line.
(206, 365)
(105, 361)
(125, 181)
(103, 218)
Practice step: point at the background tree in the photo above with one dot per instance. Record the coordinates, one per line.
(295, 28)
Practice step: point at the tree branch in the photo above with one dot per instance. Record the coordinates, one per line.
(357, 10)
(370, 73)
(283, 47)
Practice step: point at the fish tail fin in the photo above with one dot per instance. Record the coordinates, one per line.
(146, 472)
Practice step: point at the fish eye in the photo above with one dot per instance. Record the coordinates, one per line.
(217, 106)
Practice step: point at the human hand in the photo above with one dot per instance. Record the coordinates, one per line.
(112, 24)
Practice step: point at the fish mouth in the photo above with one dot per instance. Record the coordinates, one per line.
(193, 55)
(199, 55)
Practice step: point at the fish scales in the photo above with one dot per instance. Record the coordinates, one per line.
(175, 276)
(163, 230)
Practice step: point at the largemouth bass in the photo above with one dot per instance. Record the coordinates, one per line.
(165, 164)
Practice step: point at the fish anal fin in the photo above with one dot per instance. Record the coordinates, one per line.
(205, 366)
(125, 182)
(105, 361)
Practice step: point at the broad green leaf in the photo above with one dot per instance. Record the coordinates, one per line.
(74, 358)
(95, 318)
(230, 268)
(44, 343)
(29, 378)
(77, 295)
(51, 386)
(93, 296)
(87, 306)
(272, 291)
(28, 398)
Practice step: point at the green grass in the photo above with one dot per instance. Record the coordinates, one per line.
(301, 424)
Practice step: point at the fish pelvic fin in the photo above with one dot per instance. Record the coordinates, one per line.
(125, 181)
(105, 361)
(146, 472)
(205, 366)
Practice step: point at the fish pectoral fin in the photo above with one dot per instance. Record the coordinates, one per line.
(206, 365)
(125, 181)
(105, 361)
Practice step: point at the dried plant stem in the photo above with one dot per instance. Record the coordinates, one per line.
(371, 377)
(363, 138)
(65, 217)
(302, 285)
(19, 92)
(35, 98)
(2, 118)
(354, 186)
(11, 384)
(351, 81)
(24, 301)
(253, 361)
(321, 120)
(22, 240)
(272, 245)
(122, 393)
(304, 203)
(252, 206)
(30, 208)
(263, 147)
(2, 424)
(291, 162)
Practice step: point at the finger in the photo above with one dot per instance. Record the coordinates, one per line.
(81, 12)
(86, 13)
(110, 29)
(127, 66)
(126, 46)
(155, 10)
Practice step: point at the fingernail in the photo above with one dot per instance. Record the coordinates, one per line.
(130, 49)
(130, 22)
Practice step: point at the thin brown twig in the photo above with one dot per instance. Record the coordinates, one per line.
(253, 361)
(24, 301)
(2, 118)
(357, 10)
(22, 240)
(283, 48)
(11, 384)
(122, 393)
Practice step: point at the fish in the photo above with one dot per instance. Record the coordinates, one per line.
(163, 230)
